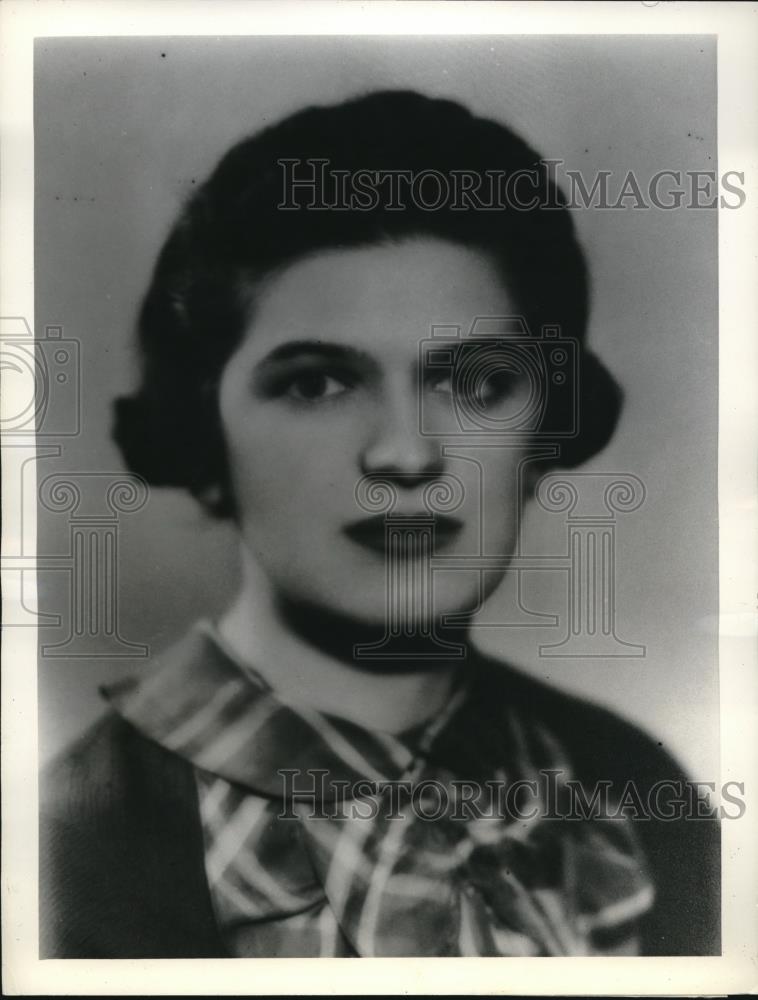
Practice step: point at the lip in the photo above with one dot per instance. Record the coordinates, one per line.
(370, 532)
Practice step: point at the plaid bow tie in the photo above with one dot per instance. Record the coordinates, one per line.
(319, 843)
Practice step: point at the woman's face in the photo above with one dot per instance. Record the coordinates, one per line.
(334, 382)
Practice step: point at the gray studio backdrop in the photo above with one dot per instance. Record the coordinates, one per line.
(124, 128)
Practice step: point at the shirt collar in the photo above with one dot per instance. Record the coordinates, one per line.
(201, 704)
(395, 888)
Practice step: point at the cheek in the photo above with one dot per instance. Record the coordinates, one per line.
(258, 465)
(500, 472)
(285, 467)
(267, 470)
(501, 502)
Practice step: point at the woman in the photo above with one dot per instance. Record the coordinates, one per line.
(333, 768)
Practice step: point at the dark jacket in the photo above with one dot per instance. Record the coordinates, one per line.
(121, 852)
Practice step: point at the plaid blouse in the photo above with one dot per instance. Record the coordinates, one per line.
(323, 838)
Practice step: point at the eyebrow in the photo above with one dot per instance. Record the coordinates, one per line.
(332, 352)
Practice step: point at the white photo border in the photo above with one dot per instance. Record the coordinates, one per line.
(736, 26)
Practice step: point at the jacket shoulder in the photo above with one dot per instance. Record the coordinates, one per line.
(683, 850)
(90, 773)
(601, 744)
(121, 852)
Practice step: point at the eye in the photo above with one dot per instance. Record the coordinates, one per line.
(313, 386)
(486, 389)
(496, 387)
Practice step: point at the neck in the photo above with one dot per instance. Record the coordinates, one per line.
(307, 657)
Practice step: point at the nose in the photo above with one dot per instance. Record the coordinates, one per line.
(395, 445)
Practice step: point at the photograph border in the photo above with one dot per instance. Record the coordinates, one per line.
(736, 26)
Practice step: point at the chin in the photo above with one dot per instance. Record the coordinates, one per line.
(408, 611)
(341, 628)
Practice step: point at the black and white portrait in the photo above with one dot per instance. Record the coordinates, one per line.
(376, 487)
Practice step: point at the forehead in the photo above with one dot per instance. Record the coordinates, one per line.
(382, 298)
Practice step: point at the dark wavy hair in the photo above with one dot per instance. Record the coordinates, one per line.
(232, 233)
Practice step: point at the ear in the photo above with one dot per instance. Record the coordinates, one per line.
(217, 500)
(533, 472)
(600, 400)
